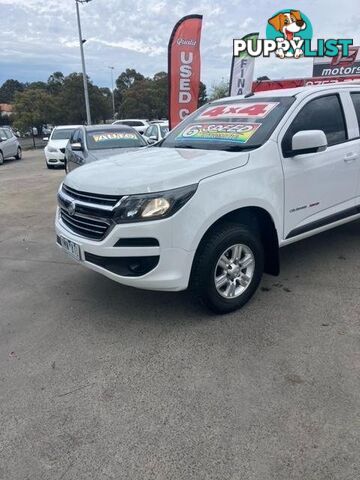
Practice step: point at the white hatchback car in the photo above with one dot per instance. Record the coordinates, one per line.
(156, 131)
(55, 148)
(137, 124)
(9, 145)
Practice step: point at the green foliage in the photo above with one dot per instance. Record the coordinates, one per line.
(33, 107)
(60, 100)
(9, 89)
(5, 119)
(202, 94)
(219, 90)
(55, 82)
(140, 97)
(37, 85)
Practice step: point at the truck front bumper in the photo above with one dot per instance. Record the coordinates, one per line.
(138, 255)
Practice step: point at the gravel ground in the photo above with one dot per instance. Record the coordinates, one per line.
(99, 381)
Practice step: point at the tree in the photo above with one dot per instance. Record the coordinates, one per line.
(139, 101)
(9, 89)
(124, 81)
(33, 108)
(5, 119)
(55, 82)
(144, 97)
(36, 85)
(100, 103)
(160, 93)
(71, 101)
(202, 95)
(219, 90)
(60, 100)
(137, 96)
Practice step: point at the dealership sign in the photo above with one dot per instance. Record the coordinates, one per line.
(344, 66)
(242, 70)
(263, 85)
(184, 68)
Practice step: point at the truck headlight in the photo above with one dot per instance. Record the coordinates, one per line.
(153, 206)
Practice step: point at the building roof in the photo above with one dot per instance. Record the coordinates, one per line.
(6, 107)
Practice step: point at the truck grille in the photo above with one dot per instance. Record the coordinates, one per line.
(85, 226)
(95, 198)
(87, 214)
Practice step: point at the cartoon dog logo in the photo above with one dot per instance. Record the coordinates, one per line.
(288, 24)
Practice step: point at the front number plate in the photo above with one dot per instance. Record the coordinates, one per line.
(71, 248)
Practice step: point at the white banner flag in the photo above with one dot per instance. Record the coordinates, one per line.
(242, 71)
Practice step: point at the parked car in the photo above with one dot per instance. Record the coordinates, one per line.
(96, 142)
(156, 131)
(9, 145)
(55, 148)
(138, 124)
(211, 205)
(15, 132)
(47, 129)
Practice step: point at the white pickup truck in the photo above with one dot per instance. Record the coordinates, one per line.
(210, 205)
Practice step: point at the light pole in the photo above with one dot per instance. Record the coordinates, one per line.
(112, 90)
(81, 41)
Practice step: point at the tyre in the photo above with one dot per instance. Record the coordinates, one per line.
(18, 155)
(228, 268)
(1, 158)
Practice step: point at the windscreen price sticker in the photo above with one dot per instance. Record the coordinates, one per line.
(230, 132)
(105, 137)
(239, 110)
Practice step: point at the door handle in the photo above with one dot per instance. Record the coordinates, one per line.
(351, 157)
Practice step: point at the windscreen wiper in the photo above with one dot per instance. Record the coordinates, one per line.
(184, 146)
(240, 148)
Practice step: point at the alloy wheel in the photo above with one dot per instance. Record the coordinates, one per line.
(234, 271)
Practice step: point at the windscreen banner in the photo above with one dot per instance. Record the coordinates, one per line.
(338, 65)
(184, 68)
(242, 70)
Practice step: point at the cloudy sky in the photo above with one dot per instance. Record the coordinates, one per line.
(40, 36)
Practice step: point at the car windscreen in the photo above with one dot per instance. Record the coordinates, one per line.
(62, 134)
(103, 139)
(232, 125)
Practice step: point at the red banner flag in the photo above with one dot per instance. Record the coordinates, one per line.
(184, 68)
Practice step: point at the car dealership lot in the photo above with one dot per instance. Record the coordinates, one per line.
(102, 381)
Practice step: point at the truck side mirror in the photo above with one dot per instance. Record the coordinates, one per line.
(76, 147)
(308, 141)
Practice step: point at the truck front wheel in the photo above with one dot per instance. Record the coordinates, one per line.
(228, 267)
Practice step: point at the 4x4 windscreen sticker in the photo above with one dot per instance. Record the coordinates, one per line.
(230, 132)
(239, 110)
(105, 137)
